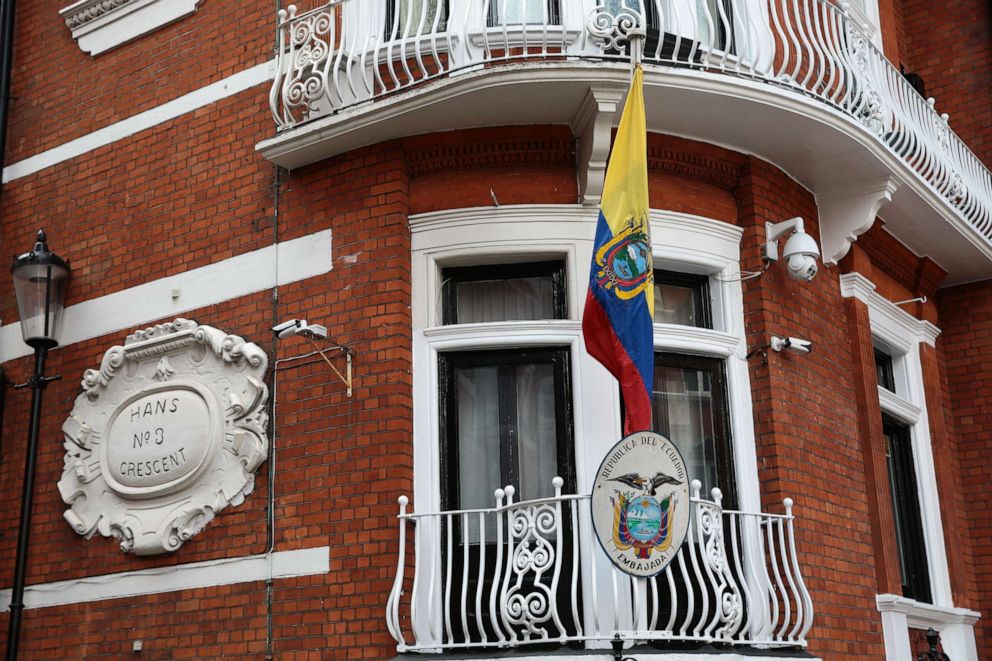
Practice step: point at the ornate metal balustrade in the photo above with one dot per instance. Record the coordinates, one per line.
(351, 52)
(531, 573)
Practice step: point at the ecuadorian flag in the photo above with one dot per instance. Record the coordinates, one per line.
(619, 315)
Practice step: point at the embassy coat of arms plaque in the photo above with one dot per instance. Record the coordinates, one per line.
(169, 431)
(640, 503)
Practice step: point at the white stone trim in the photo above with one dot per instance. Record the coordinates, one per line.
(898, 407)
(956, 627)
(234, 84)
(890, 322)
(99, 25)
(192, 576)
(289, 261)
(847, 212)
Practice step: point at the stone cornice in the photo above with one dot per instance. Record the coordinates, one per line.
(922, 615)
(888, 320)
(100, 25)
(80, 13)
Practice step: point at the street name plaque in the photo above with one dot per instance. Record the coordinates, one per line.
(169, 431)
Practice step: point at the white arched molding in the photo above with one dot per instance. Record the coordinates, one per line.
(494, 235)
(901, 334)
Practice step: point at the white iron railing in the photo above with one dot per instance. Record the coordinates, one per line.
(348, 52)
(531, 572)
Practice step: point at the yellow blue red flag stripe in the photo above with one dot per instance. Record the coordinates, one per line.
(617, 323)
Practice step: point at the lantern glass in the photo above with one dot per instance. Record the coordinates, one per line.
(40, 280)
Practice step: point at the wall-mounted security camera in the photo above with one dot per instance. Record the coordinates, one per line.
(801, 252)
(288, 328)
(791, 343)
(298, 327)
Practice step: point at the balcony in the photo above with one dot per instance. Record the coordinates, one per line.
(530, 575)
(796, 82)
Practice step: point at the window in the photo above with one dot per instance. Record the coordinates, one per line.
(506, 420)
(506, 292)
(689, 408)
(883, 369)
(496, 308)
(903, 487)
(684, 33)
(680, 298)
(407, 18)
(524, 12)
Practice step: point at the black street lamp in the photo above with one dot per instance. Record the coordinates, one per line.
(40, 278)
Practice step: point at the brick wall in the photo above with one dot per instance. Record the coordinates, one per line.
(192, 192)
(966, 343)
(53, 104)
(805, 423)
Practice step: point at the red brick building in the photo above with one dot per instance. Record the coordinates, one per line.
(422, 178)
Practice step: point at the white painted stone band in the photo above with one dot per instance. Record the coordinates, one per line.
(289, 261)
(196, 575)
(204, 96)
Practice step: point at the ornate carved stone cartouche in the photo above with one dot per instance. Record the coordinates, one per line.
(169, 431)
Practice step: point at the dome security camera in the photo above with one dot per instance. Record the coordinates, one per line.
(802, 252)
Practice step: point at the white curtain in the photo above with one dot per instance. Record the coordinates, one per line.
(683, 412)
(478, 436)
(505, 300)
(536, 433)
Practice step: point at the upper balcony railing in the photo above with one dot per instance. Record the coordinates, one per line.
(531, 573)
(351, 52)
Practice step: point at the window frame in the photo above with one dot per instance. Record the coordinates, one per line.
(540, 232)
(452, 276)
(699, 283)
(723, 437)
(899, 334)
(904, 490)
(509, 454)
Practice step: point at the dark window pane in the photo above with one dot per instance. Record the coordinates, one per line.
(883, 369)
(504, 292)
(904, 490)
(689, 408)
(505, 419)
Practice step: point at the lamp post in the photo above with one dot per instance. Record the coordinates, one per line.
(40, 278)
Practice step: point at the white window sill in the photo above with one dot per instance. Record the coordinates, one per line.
(920, 615)
(531, 35)
(955, 625)
(100, 25)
